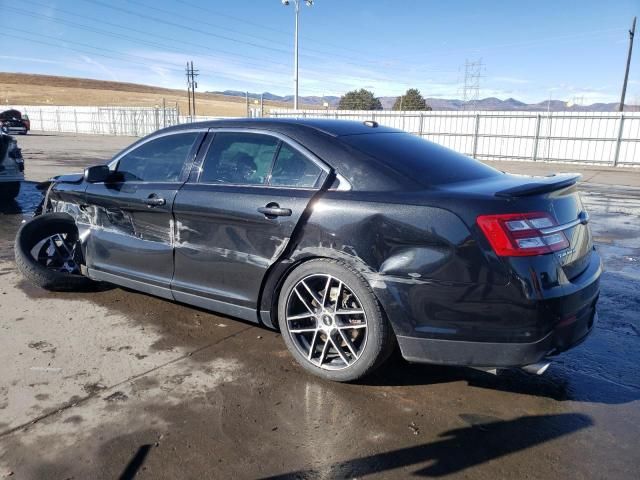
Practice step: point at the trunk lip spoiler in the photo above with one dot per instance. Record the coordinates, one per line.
(541, 185)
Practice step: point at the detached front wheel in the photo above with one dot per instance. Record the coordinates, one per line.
(49, 255)
(331, 321)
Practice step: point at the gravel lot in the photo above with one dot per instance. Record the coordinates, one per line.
(114, 383)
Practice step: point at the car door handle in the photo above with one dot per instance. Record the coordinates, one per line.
(275, 211)
(155, 201)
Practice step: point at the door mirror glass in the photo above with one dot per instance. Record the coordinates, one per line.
(97, 174)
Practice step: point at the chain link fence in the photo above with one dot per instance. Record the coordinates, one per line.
(570, 137)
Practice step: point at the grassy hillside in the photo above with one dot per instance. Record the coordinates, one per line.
(28, 89)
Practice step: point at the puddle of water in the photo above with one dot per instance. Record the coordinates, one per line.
(25, 203)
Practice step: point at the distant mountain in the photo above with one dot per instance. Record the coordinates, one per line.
(307, 101)
(490, 103)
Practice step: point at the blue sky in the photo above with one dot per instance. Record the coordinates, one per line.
(530, 50)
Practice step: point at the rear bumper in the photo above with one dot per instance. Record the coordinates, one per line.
(16, 129)
(497, 330)
(491, 354)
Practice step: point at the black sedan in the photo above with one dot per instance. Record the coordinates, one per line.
(351, 238)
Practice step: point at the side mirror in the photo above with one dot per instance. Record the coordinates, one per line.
(97, 174)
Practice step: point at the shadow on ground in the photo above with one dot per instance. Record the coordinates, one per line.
(457, 449)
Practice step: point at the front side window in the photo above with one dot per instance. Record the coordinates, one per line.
(292, 169)
(159, 160)
(239, 159)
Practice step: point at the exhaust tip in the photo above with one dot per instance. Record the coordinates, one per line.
(536, 368)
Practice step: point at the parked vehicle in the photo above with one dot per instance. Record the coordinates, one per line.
(12, 121)
(351, 238)
(11, 167)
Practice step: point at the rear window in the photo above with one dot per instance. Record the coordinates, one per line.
(413, 157)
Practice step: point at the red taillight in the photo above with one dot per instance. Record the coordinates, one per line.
(520, 235)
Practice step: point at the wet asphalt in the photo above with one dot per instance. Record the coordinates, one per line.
(154, 389)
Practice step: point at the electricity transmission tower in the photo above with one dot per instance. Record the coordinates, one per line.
(191, 88)
(471, 89)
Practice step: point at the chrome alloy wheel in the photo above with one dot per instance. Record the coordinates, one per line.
(59, 252)
(326, 321)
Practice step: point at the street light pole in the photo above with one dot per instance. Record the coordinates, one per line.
(295, 47)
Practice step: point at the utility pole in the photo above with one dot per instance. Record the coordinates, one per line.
(246, 99)
(632, 32)
(188, 73)
(191, 88)
(261, 105)
(194, 85)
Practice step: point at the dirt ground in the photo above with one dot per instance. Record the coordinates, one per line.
(117, 384)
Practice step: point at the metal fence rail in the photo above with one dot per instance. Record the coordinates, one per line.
(578, 137)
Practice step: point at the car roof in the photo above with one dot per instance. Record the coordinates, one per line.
(331, 127)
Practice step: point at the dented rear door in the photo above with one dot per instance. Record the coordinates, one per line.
(233, 224)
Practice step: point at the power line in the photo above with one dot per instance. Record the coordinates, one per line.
(134, 39)
(185, 27)
(317, 73)
(348, 59)
(113, 55)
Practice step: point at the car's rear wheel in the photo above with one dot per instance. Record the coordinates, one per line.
(9, 190)
(49, 255)
(331, 321)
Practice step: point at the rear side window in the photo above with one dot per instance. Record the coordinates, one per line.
(423, 161)
(239, 158)
(158, 160)
(292, 169)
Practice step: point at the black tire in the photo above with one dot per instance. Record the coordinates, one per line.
(9, 190)
(35, 231)
(379, 342)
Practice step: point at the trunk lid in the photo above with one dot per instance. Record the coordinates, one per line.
(555, 195)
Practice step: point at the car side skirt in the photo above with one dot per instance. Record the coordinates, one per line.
(244, 313)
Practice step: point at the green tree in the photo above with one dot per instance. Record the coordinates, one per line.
(359, 100)
(411, 100)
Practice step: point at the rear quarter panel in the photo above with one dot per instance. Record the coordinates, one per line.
(420, 260)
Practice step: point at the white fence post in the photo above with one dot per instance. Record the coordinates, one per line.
(475, 135)
(534, 157)
(618, 140)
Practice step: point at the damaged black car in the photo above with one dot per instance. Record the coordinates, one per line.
(351, 238)
(14, 122)
(11, 167)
